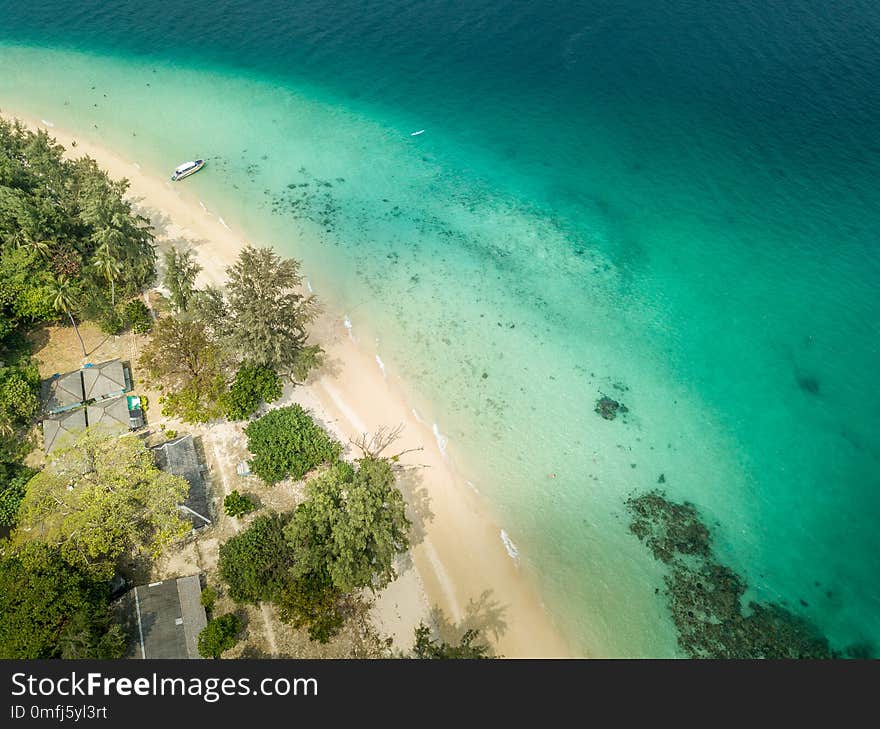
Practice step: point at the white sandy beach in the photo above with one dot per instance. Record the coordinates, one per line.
(459, 563)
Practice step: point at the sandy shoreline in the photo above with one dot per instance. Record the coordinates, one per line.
(459, 564)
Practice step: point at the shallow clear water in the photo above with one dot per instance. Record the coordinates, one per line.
(674, 205)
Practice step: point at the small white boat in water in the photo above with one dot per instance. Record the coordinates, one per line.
(187, 169)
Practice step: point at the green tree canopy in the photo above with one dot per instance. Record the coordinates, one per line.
(267, 314)
(181, 270)
(352, 524)
(100, 499)
(191, 368)
(137, 317)
(254, 563)
(312, 602)
(219, 635)
(342, 538)
(25, 290)
(50, 609)
(208, 306)
(13, 486)
(253, 385)
(63, 220)
(286, 442)
(19, 400)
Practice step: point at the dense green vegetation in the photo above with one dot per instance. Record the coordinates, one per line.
(254, 563)
(343, 538)
(19, 403)
(351, 526)
(64, 224)
(136, 316)
(208, 598)
(253, 385)
(223, 352)
(219, 635)
(71, 248)
(13, 484)
(51, 609)
(190, 367)
(236, 504)
(102, 499)
(267, 317)
(287, 443)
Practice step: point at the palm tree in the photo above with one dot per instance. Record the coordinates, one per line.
(43, 248)
(106, 264)
(64, 301)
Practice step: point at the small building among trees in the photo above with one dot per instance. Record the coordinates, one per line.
(89, 397)
(105, 380)
(63, 392)
(180, 456)
(62, 429)
(163, 619)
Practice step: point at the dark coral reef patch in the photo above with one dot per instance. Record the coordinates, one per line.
(705, 596)
(608, 408)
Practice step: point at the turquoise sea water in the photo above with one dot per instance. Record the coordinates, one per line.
(676, 205)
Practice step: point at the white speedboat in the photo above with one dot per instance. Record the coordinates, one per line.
(187, 169)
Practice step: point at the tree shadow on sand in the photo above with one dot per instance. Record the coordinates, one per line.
(484, 615)
(163, 226)
(410, 481)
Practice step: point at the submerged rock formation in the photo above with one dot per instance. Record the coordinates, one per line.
(608, 408)
(705, 597)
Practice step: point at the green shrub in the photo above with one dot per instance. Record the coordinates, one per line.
(252, 386)
(220, 634)
(137, 316)
(287, 442)
(236, 504)
(208, 597)
(111, 321)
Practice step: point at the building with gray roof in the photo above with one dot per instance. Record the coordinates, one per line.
(105, 380)
(110, 417)
(63, 392)
(61, 429)
(181, 457)
(163, 619)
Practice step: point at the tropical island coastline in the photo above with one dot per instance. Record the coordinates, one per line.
(460, 563)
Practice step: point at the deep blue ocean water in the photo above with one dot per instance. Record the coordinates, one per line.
(674, 201)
